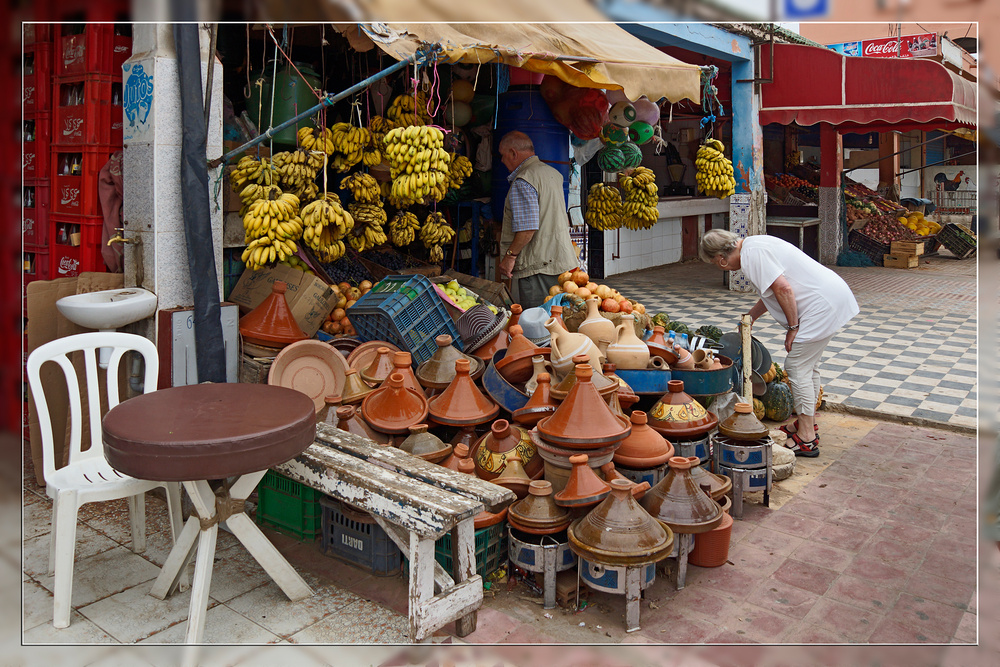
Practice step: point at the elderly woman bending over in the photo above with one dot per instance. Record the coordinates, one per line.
(808, 299)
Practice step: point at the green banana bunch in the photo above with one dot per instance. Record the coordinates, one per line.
(714, 175)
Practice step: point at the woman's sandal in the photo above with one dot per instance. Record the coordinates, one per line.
(793, 427)
(809, 449)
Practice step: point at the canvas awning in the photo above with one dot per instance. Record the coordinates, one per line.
(586, 55)
(812, 85)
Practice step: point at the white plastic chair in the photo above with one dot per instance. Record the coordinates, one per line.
(88, 477)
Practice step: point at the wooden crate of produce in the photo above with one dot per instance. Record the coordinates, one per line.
(900, 261)
(906, 248)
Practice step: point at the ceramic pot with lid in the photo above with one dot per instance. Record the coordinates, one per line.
(402, 363)
(679, 502)
(605, 386)
(538, 513)
(355, 389)
(583, 488)
(379, 369)
(458, 452)
(743, 424)
(438, 371)
(394, 408)
(516, 365)
(644, 448)
(493, 450)
(349, 420)
(426, 445)
(271, 324)
(541, 404)
(513, 476)
(583, 420)
(676, 414)
(659, 347)
(462, 403)
(611, 474)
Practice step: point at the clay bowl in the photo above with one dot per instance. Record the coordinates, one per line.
(517, 368)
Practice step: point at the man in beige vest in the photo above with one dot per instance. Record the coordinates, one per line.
(535, 238)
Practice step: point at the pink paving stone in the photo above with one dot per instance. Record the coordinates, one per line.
(701, 602)
(944, 489)
(960, 526)
(740, 530)
(950, 568)
(917, 458)
(948, 474)
(961, 547)
(528, 633)
(817, 493)
(730, 637)
(759, 624)
(932, 619)
(844, 620)
(900, 480)
(931, 587)
(491, 627)
(794, 525)
(966, 632)
(837, 482)
(807, 576)
(754, 513)
(931, 501)
(847, 538)
(860, 592)
(772, 541)
(902, 531)
(823, 555)
(893, 632)
(864, 514)
(680, 631)
(906, 556)
(806, 508)
(875, 490)
(730, 580)
(782, 598)
(878, 572)
(808, 633)
(749, 557)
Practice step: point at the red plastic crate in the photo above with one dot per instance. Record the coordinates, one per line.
(85, 112)
(35, 153)
(36, 33)
(35, 218)
(96, 50)
(72, 260)
(77, 194)
(36, 77)
(35, 264)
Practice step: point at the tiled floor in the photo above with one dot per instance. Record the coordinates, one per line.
(911, 351)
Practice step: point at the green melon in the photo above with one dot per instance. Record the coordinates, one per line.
(661, 319)
(777, 401)
(709, 331)
(632, 155)
(678, 328)
(758, 408)
(610, 159)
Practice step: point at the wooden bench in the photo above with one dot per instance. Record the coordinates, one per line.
(416, 503)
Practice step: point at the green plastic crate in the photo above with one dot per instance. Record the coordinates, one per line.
(289, 507)
(491, 550)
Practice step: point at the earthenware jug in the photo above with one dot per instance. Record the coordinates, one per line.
(628, 351)
(684, 359)
(539, 365)
(556, 312)
(515, 316)
(658, 346)
(596, 326)
(703, 359)
(566, 345)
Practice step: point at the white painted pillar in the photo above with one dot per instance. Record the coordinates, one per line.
(152, 162)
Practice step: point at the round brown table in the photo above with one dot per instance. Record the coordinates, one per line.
(202, 432)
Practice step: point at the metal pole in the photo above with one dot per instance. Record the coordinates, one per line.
(329, 100)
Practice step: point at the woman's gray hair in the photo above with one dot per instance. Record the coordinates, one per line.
(519, 141)
(717, 242)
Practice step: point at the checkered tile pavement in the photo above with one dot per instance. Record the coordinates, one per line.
(910, 352)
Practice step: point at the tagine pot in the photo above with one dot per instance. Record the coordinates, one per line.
(402, 363)
(678, 415)
(743, 424)
(349, 420)
(644, 448)
(458, 452)
(380, 368)
(426, 445)
(462, 403)
(438, 371)
(537, 513)
(717, 486)
(394, 408)
(610, 474)
(679, 502)
(539, 405)
(517, 364)
(605, 386)
(626, 396)
(596, 326)
(583, 488)
(484, 519)
(491, 452)
(583, 420)
(628, 351)
(355, 389)
(271, 324)
(513, 476)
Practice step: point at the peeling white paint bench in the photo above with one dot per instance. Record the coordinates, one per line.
(416, 503)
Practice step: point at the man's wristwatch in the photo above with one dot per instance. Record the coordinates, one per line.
(794, 327)
(511, 254)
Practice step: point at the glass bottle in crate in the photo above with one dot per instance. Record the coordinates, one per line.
(74, 167)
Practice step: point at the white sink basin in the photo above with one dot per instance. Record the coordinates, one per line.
(108, 309)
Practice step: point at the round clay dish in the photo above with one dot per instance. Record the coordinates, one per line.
(311, 367)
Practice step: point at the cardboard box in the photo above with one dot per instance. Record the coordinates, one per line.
(309, 298)
(46, 323)
(900, 261)
(260, 149)
(230, 200)
(907, 248)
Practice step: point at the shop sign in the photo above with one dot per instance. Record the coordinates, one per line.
(846, 48)
(907, 46)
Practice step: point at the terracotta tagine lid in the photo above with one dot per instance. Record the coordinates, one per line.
(402, 363)
(676, 414)
(484, 519)
(493, 450)
(355, 389)
(658, 347)
(644, 448)
(583, 488)
(438, 371)
(583, 420)
(486, 351)
(426, 445)
(611, 474)
(616, 407)
(620, 532)
(718, 485)
(538, 513)
(349, 420)
(379, 369)
(462, 403)
(394, 408)
(743, 424)
(271, 323)
(605, 386)
(539, 405)
(328, 415)
(513, 476)
(458, 452)
(626, 396)
(515, 316)
(516, 365)
(679, 502)
(465, 435)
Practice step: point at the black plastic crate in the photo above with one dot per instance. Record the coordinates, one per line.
(355, 537)
(874, 249)
(958, 239)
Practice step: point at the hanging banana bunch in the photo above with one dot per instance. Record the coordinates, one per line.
(404, 110)
(418, 163)
(368, 231)
(434, 234)
(639, 199)
(363, 187)
(604, 207)
(251, 170)
(459, 170)
(271, 224)
(403, 228)
(714, 175)
(326, 225)
(349, 142)
(316, 139)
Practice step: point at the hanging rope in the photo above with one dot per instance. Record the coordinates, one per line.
(710, 104)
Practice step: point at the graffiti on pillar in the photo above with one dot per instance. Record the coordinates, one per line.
(137, 100)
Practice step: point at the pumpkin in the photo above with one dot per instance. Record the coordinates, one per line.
(758, 408)
(779, 372)
(709, 331)
(819, 398)
(777, 401)
(661, 319)
(678, 328)
(769, 375)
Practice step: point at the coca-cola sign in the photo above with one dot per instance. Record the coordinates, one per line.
(907, 46)
(69, 266)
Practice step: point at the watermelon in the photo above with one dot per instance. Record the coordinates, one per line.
(758, 408)
(777, 401)
(709, 331)
(632, 154)
(610, 159)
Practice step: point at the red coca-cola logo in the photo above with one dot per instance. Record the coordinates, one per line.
(881, 49)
